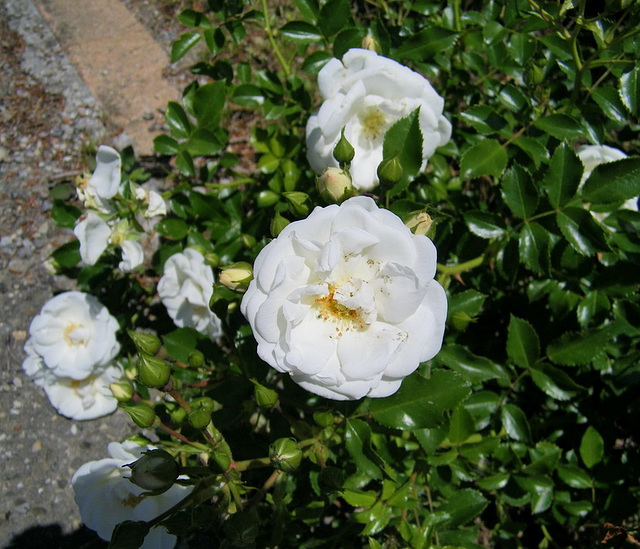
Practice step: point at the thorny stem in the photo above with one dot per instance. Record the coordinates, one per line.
(270, 35)
(181, 437)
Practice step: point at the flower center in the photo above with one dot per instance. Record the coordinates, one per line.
(374, 123)
(329, 308)
(74, 334)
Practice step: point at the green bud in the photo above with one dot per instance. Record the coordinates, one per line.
(420, 223)
(155, 470)
(205, 403)
(265, 397)
(236, 276)
(324, 419)
(222, 456)
(298, 202)
(199, 418)
(211, 259)
(145, 343)
(142, 414)
(334, 185)
(196, 358)
(267, 198)
(534, 75)
(277, 224)
(343, 152)
(153, 371)
(122, 391)
(390, 170)
(285, 454)
(248, 241)
(370, 43)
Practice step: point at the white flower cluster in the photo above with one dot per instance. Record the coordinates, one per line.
(71, 352)
(366, 94)
(100, 226)
(345, 301)
(106, 497)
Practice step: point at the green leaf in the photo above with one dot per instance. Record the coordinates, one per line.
(523, 344)
(208, 103)
(487, 157)
(533, 148)
(308, 9)
(181, 343)
(563, 177)
(404, 139)
(314, 62)
(301, 32)
(248, 95)
(359, 498)
(183, 44)
(560, 126)
(580, 229)
(184, 163)
(128, 534)
(174, 229)
(554, 382)
(214, 39)
(461, 425)
(534, 247)
(515, 423)
(420, 402)
(572, 349)
(163, 144)
(469, 301)
(427, 43)
(472, 367)
(540, 488)
(65, 215)
(358, 444)
(483, 119)
(519, 192)
(629, 89)
(613, 182)
(463, 506)
(482, 405)
(347, 39)
(484, 224)
(334, 16)
(204, 143)
(194, 19)
(574, 476)
(593, 308)
(177, 119)
(494, 482)
(591, 447)
(609, 101)
(67, 255)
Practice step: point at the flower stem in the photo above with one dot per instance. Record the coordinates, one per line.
(270, 35)
(461, 267)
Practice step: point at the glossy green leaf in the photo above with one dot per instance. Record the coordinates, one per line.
(515, 423)
(65, 215)
(315, 61)
(554, 382)
(463, 506)
(613, 182)
(420, 402)
(301, 32)
(593, 309)
(484, 224)
(609, 101)
(358, 444)
(204, 143)
(519, 192)
(208, 102)
(574, 476)
(487, 157)
(214, 39)
(67, 256)
(483, 119)
(591, 447)
(629, 89)
(309, 9)
(540, 487)
(178, 120)
(248, 95)
(534, 247)
(533, 148)
(482, 405)
(174, 229)
(181, 343)
(375, 518)
(184, 163)
(163, 144)
(572, 349)
(404, 139)
(461, 425)
(494, 482)
(474, 368)
(523, 344)
(334, 16)
(427, 43)
(581, 231)
(181, 46)
(563, 177)
(470, 301)
(560, 126)
(359, 498)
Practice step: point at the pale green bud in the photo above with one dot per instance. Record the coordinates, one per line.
(236, 276)
(334, 185)
(285, 454)
(155, 470)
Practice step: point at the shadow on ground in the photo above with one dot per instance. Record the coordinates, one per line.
(51, 535)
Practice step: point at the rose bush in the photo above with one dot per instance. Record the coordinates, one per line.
(186, 288)
(345, 302)
(106, 497)
(366, 94)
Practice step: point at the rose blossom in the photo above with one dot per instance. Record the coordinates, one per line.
(366, 94)
(132, 255)
(93, 234)
(88, 398)
(186, 288)
(105, 181)
(106, 497)
(345, 301)
(74, 334)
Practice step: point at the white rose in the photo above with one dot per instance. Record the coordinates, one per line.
(132, 255)
(345, 301)
(74, 334)
(106, 497)
(186, 288)
(105, 180)
(93, 233)
(153, 200)
(594, 155)
(88, 398)
(366, 94)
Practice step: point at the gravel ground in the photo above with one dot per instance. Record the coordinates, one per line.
(48, 121)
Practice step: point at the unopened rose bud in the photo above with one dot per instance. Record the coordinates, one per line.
(196, 358)
(199, 418)
(153, 371)
(155, 470)
(298, 202)
(343, 152)
(324, 419)
(277, 224)
(420, 223)
(211, 259)
(265, 397)
(390, 170)
(334, 185)
(142, 414)
(206, 403)
(122, 391)
(145, 343)
(370, 43)
(285, 454)
(236, 276)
